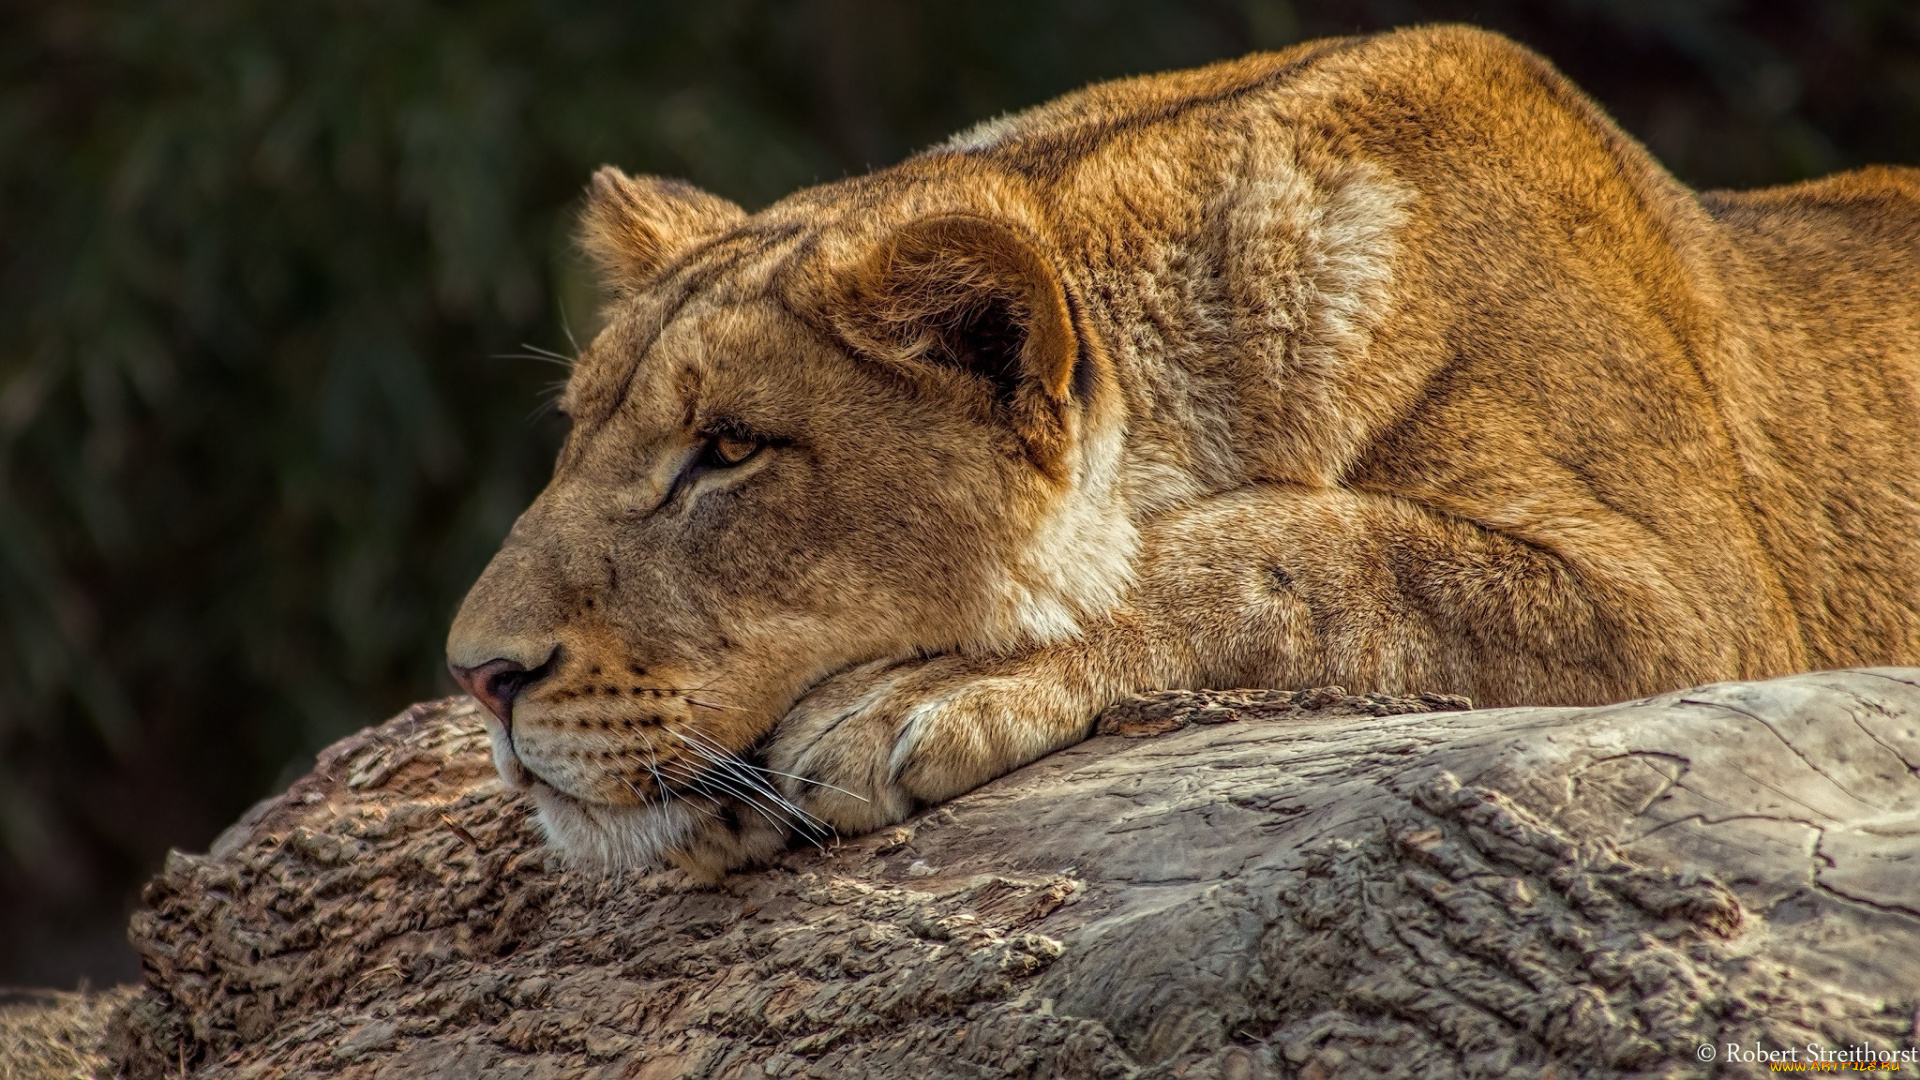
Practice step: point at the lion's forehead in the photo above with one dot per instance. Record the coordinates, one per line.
(653, 359)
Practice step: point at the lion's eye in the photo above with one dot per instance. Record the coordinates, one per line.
(726, 451)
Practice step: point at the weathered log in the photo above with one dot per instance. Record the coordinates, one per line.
(56, 1034)
(1235, 885)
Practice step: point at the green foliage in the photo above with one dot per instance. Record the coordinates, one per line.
(266, 271)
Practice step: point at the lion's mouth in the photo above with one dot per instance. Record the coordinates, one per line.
(722, 785)
(698, 780)
(660, 831)
(615, 837)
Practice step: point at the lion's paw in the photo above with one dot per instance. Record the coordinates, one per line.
(869, 746)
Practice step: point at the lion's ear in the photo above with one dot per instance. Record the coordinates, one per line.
(981, 297)
(634, 226)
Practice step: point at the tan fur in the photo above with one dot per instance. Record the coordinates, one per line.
(1385, 362)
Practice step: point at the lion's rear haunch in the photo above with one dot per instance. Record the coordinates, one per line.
(1388, 363)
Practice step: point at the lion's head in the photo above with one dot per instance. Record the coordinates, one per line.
(870, 422)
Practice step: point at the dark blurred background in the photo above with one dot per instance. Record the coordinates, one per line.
(269, 272)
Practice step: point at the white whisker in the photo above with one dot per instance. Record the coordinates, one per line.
(738, 774)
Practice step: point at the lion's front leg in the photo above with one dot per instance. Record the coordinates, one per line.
(1266, 586)
(869, 746)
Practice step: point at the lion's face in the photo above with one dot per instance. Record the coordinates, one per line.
(751, 500)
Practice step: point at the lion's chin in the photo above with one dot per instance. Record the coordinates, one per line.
(612, 837)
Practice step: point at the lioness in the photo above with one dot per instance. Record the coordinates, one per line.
(1388, 362)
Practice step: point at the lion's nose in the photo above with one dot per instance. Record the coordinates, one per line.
(496, 683)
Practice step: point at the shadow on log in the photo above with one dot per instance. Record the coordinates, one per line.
(1229, 885)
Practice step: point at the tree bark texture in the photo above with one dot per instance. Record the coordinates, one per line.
(1231, 885)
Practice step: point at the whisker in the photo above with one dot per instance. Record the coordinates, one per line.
(671, 795)
(744, 764)
(806, 780)
(636, 791)
(686, 798)
(734, 770)
(742, 775)
(549, 400)
(742, 779)
(742, 794)
(742, 771)
(542, 355)
(549, 354)
(666, 793)
(734, 782)
(704, 687)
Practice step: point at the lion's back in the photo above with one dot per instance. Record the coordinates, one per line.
(1831, 402)
(1855, 231)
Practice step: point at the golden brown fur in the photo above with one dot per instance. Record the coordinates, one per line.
(1386, 362)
